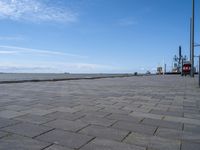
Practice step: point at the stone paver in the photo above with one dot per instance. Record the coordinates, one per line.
(178, 135)
(16, 142)
(68, 125)
(139, 128)
(98, 121)
(190, 146)
(34, 119)
(102, 144)
(192, 128)
(27, 129)
(104, 132)
(153, 142)
(56, 147)
(126, 118)
(136, 113)
(64, 138)
(7, 122)
(2, 134)
(163, 123)
(64, 115)
(10, 114)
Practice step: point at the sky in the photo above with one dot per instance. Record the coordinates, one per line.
(94, 36)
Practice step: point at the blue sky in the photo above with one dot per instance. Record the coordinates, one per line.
(92, 36)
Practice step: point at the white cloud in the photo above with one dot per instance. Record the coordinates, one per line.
(34, 10)
(53, 67)
(11, 38)
(8, 52)
(21, 50)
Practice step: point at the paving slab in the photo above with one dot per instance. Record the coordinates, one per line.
(57, 147)
(97, 120)
(65, 115)
(182, 120)
(3, 134)
(38, 111)
(11, 114)
(64, 138)
(153, 142)
(35, 119)
(16, 107)
(139, 128)
(167, 113)
(163, 123)
(16, 142)
(178, 135)
(147, 115)
(102, 144)
(190, 146)
(99, 114)
(67, 125)
(4, 122)
(27, 129)
(104, 132)
(127, 118)
(192, 128)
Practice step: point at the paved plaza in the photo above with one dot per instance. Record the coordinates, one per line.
(131, 113)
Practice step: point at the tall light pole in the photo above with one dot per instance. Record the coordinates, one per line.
(199, 70)
(192, 39)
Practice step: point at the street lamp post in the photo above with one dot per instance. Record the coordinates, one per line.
(192, 39)
(199, 70)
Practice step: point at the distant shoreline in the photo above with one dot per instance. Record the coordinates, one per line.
(50, 77)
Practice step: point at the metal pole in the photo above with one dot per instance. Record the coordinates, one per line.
(182, 67)
(199, 71)
(190, 40)
(192, 54)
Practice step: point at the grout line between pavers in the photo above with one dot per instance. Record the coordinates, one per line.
(85, 143)
(113, 123)
(47, 146)
(126, 136)
(43, 133)
(77, 131)
(155, 131)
